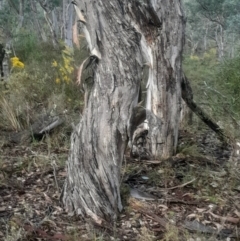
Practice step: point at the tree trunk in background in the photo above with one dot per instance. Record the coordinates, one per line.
(205, 37)
(68, 22)
(1, 4)
(37, 24)
(219, 36)
(19, 10)
(50, 21)
(124, 37)
(232, 47)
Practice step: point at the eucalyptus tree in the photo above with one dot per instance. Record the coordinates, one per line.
(196, 28)
(124, 37)
(48, 20)
(213, 20)
(59, 15)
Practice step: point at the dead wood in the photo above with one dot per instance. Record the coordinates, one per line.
(187, 96)
(44, 124)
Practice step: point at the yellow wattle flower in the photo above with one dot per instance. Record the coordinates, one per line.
(14, 59)
(17, 63)
(57, 80)
(54, 63)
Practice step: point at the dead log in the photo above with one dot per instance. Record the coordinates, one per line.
(43, 125)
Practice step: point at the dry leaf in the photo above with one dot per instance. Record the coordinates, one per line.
(192, 215)
(48, 199)
(201, 210)
(164, 207)
(237, 213)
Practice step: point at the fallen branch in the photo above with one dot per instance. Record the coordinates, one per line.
(187, 96)
(44, 124)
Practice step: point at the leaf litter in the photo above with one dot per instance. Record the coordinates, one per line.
(186, 197)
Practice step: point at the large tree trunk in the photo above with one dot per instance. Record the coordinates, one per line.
(124, 37)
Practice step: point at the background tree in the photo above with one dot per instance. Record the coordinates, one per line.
(213, 23)
(212, 73)
(123, 37)
(43, 21)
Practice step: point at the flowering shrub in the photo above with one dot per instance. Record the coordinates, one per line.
(16, 63)
(64, 68)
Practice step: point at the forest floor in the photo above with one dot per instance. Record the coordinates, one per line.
(194, 195)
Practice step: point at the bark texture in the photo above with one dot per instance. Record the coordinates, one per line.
(2, 55)
(123, 37)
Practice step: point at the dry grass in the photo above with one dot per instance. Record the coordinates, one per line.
(9, 115)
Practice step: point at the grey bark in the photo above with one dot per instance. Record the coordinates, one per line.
(205, 37)
(5, 63)
(2, 56)
(219, 36)
(124, 37)
(68, 22)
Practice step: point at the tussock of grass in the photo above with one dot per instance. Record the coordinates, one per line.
(9, 115)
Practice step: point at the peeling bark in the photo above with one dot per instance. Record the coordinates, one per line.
(124, 37)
